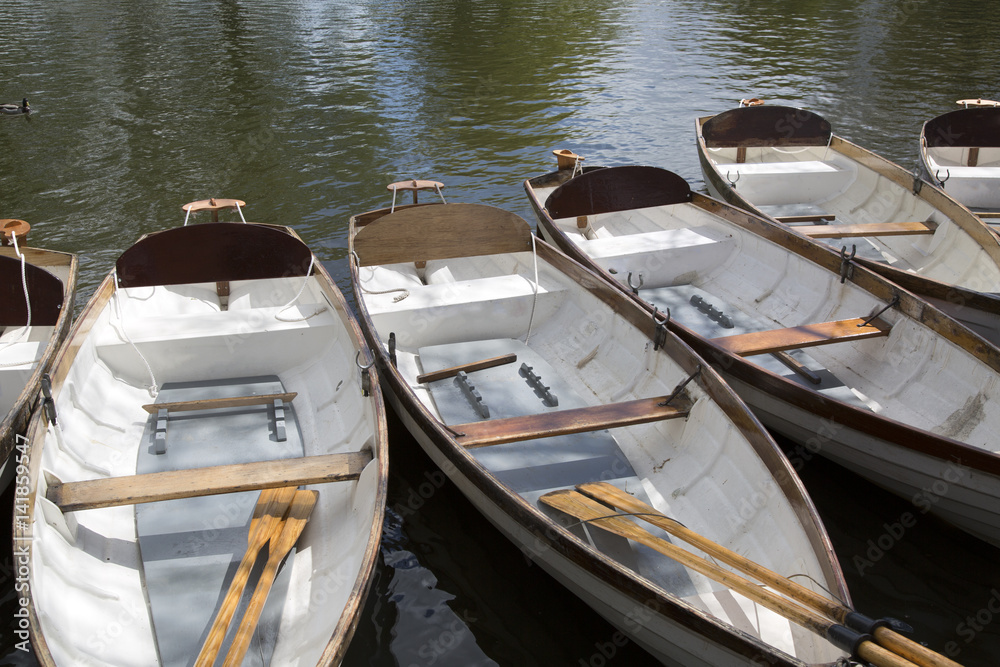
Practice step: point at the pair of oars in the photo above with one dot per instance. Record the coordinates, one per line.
(889, 649)
(278, 518)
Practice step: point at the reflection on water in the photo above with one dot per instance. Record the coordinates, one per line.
(307, 109)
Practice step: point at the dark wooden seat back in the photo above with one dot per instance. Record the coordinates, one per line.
(212, 252)
(441, 231)
(617, 189)
(975, 126)
(44, 289)
(766, 125)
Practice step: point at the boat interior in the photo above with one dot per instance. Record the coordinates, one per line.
(496, 342)
(167, 378)
(786, 163)
(787, 314)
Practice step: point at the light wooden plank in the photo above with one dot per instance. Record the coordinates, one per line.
(441, 231)
(468, 368)
(153, 487)
(807, 335)
(871, 229)
(565, 422)
(212, 403)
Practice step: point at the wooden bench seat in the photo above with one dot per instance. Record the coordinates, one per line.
(870, 229)
(565, 422)
(212, 480)
(807, 335)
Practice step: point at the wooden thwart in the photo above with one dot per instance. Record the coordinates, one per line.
(808, 335)
(153, 487)
(566, 422)
(212, 403)
(871, 229)
(508, 358)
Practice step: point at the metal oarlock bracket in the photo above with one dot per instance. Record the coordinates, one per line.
(846, 268)
(891, 304)
(392, 347)
(680, 387)
(733, 182)
(918, 182)
(660, 334)
(474, 397)
(941, 181)
(536, 383)
(366, 376)
(48, 404)
(635, 288)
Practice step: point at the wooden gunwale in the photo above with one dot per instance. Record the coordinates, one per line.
(555, 538)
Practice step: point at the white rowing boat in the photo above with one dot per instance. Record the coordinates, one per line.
(824, 351)
(786, 164)
(215, 361)
(42, 283)
(960, 152)
(520, 373)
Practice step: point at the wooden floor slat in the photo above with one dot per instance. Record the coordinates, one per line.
(565, 422)
(152, 487)
(808, 335)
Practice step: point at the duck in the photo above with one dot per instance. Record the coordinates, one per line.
(16, 108)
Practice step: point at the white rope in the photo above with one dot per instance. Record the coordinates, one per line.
(27, 303)
(405, 292)
(277, 316)
(153, 390)
(186, 216)
(534, 296)
(240, 211)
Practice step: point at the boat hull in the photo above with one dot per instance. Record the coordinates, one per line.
(290, 326)
(672, 629)
(954, 480)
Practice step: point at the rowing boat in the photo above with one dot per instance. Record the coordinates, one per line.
(842, 361)
(960, 152)
(786, 164)
(40, 285)
(521, 373)
(215, 371)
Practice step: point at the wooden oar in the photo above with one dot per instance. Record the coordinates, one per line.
(271, 507)
(580, 506)
(291, 528)
(909, 649)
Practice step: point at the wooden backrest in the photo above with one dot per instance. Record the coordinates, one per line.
(212, 252)
(617, 189)
(975, 126)
(766, 125)
(44, 290)
(441, 231)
